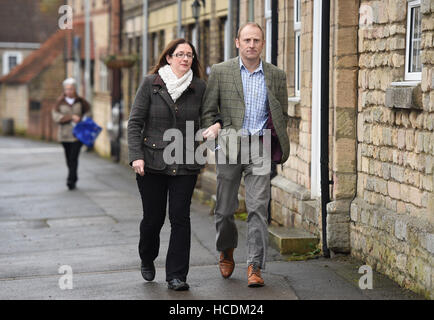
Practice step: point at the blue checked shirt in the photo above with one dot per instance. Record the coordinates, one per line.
(255, 99)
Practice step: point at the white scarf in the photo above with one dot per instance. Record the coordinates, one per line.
(175, 86)
(70, 100)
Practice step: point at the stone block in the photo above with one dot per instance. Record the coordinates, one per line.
(354, 213)
(396, 10)
(430, 243)
(338, 236)
(401, 97)
(401, 229)
(394, 189)
(292, 240)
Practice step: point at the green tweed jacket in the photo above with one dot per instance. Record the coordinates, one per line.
(224, 99)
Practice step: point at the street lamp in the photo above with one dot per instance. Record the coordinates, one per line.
(195, 8)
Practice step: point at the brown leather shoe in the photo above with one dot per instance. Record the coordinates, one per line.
(227, 263)
(254, 278)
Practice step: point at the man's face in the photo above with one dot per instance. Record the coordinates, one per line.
(250, 43)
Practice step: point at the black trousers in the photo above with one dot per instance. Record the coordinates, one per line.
(156, 190)
(72, 151)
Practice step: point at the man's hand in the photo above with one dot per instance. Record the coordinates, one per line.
(139, 167)
(75, 118)
(212, 132)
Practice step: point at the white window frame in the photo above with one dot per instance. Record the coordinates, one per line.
(297, 19)
(268, 30)
(410, 76)
(297, 52)
(6, 56)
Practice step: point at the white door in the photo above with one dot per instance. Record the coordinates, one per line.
(316, 102)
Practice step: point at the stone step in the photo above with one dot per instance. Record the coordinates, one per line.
(288, 240)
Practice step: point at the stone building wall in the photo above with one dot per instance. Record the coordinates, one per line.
(392, 218)
(45, 89)
(14, 105)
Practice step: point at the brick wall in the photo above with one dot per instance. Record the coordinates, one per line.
(392, 219)
(45, 89)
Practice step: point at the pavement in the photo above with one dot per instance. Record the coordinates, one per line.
(95, 231)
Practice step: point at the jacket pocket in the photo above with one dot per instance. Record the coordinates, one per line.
(227, 122)
(153, 149)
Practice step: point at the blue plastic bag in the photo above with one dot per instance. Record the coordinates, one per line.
(86, 131)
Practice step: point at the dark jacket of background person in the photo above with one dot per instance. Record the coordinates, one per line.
(62, 114)
(154, 112)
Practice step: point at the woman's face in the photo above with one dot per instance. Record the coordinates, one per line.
(69, 90)
(181, 59)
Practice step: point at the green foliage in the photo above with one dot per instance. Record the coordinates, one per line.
(315, 253)
(241, 216)
(50, 7)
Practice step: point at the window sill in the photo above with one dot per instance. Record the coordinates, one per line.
(407, 83)
(294, 106)
(404, 95)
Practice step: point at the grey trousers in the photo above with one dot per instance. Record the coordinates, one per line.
(257, 187)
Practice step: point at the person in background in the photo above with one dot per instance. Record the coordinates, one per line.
(69, 110)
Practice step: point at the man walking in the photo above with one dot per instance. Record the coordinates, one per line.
(248, 95)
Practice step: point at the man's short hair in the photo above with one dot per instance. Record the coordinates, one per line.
(69, 81)
(252, 24)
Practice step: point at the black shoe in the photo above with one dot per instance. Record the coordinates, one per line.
(148, 271)
(71, 186)
(177, 285)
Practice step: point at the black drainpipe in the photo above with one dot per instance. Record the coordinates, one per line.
(325, 61)
(274, 31)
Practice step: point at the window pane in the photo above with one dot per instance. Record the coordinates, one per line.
(12, 62)
(297, 63)
(415, 65)
(297, 10)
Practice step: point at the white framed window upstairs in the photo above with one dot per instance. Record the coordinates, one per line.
(10, 60)
(413, 65)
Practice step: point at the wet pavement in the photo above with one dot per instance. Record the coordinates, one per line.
(95, 230)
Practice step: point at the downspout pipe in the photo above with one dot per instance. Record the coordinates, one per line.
(324, 157)
(274, 31)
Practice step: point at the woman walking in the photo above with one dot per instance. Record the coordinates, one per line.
(69, 110)
(168, 98)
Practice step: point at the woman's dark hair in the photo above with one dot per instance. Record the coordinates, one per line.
(170, 49)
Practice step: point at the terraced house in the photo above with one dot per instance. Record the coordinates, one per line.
(360, 173)
(359, 179)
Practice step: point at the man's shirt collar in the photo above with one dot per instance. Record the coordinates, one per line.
(259, 68)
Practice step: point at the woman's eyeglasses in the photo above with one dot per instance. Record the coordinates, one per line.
(182, 55)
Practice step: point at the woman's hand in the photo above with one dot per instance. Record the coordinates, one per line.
(75, 118)
(212, 132)
(139, 167)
